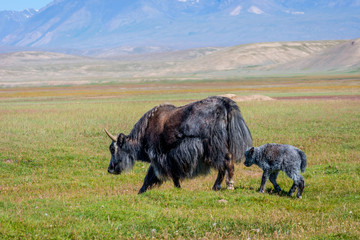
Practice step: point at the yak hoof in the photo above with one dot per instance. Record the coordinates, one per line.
(230, 185)
(216, 187)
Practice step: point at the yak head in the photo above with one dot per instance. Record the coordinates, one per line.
(249, 157)
(121, 156)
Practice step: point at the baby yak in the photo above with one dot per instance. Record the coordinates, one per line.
(272, 158)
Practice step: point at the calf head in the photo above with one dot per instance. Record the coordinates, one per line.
(121, 157)
(249, 157)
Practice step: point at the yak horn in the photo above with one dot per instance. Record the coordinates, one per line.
(110, 135)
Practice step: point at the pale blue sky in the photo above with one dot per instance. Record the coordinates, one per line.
(22, 4)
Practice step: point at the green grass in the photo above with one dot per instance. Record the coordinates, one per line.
(54, 184)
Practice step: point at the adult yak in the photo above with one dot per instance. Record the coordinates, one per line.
(184, 142)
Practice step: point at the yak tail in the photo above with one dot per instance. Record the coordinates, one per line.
(303, 160)
(239, 134)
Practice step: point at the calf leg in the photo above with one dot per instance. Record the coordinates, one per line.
(264, 178)
(229, 165)
(150, 180)
(301, 185)
(218, 181)
(298, 182)
(292, 189)
(272, 178)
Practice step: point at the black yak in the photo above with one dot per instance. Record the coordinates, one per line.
(184, 142)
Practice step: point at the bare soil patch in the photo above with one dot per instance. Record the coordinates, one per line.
(237, 98)
(327, 97)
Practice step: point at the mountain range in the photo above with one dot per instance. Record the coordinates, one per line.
(339, 58)
(94, 27)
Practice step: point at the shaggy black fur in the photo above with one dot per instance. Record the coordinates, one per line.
(184, 142)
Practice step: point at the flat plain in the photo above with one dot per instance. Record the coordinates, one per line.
(54, 156)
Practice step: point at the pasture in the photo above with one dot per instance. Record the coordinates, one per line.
(54, 156)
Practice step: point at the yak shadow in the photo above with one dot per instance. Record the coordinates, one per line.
(272, 191)
(269, 190)
(281, 193)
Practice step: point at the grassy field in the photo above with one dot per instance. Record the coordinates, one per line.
(54, 156)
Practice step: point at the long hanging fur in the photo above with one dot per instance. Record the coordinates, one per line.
(240, 137)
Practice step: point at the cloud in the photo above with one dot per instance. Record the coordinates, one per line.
(297, 13)
(236, 11)
(256, 10)
(192, 1)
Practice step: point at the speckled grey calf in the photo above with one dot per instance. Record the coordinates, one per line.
(272, 158)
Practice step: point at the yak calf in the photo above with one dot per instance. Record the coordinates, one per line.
(272, 158)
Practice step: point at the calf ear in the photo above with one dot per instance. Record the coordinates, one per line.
(251, 151)
(121, 139)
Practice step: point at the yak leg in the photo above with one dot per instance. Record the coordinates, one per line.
(176, 181)
(229, 165)
(219, 179)
(229, 171)
(150, 180)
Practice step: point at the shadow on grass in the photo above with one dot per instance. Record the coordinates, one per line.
(270, 191)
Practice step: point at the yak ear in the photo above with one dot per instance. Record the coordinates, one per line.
(121, 139)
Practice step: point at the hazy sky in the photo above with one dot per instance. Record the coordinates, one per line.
(22, 4)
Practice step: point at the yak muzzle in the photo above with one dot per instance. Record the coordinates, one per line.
(114, 171)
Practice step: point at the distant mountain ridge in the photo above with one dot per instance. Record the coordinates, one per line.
(10, 20)
(281, 59)
(65, 25)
